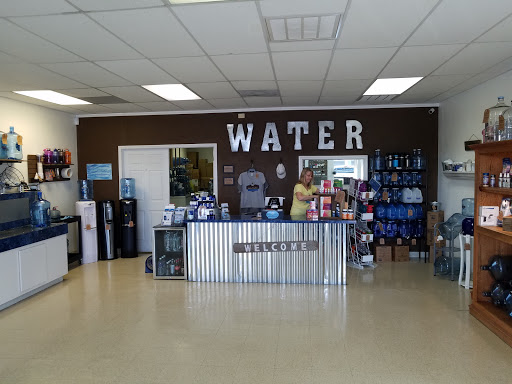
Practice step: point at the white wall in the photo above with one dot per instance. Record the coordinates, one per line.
(459, 118)
(42, 128)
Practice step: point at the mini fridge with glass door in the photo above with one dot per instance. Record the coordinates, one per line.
(169, 252)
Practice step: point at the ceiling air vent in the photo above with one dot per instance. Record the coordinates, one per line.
(260, 93)
(318, 27)
(375, 99)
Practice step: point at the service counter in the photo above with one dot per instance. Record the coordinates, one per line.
(248, 250)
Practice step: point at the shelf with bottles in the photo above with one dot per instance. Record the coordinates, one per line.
(490, 241)
(10, 161)
(169, 253)
(49, 170)
(460, 174)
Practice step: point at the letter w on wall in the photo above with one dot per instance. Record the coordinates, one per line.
(240, 138)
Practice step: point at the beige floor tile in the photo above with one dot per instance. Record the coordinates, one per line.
(108, 323)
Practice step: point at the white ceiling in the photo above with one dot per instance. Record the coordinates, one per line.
(98, 48)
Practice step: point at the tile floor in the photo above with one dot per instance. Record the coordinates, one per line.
(109, 322)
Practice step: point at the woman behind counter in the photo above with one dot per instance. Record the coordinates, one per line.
(303, 193)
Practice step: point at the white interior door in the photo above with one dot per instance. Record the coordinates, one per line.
(150, 169)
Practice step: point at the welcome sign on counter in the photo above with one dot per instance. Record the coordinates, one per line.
(279, 246)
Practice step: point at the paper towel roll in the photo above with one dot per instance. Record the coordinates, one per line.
(66, 173)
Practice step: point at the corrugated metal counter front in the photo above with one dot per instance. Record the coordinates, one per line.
(211, 255)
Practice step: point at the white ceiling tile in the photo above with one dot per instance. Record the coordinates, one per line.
(228, 103)
(80, 35)
(310, 65)
(31, 7)
(87, 73)
(309, 89)
(287, 8)
(432, 86)
(141, 72)
(82, 92)
(160, 106)
(220, 90)
(359, 63)
(475, 58)
(23, 77)
(190, 69)
(94, 108)
(125, 108)
(337, 101)
(474, 17)
(237, 27)
(300, 101)
(152, 35)
(102, 5)
(373, 23)
(257, 102)
(5, 58)
(351, 88)
(501, 32)
(245, 67)
(291, 46)
(419, 60)
(18, 42)
(133, 94)
(254, 85)
(193, 104)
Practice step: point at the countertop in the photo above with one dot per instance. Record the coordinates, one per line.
(24, 235)
(285, 219)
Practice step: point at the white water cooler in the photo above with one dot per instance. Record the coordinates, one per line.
(87, 212)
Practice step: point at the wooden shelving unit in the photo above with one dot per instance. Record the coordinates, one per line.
(490, 241)
(32, 169)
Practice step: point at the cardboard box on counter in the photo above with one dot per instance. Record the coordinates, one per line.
(193, 157)
(209, 170)
(400, 253)
(202, 167)
(193, 173)
(204, 182)
(383, 253)
(434, 217)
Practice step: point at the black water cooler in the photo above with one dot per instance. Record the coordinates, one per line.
(106, 217)
(128, 227)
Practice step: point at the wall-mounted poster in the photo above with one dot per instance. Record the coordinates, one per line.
(229, 181)
(99, 171)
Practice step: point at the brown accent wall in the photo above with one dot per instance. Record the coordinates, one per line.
(391, 130)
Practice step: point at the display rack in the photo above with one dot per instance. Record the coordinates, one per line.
(32, 169)
(169, 252)
(490, 241)
(361, 237)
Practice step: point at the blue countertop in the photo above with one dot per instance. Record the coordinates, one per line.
(285, 219)
(24, 235)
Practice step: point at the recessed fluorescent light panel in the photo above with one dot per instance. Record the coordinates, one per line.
(53, 97)
(392, 86)
(172, 92)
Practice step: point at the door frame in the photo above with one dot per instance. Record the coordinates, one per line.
(122, 148)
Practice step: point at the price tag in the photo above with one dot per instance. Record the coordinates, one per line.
(399, 241)
(501, 123)
(467, 247)
(486, 116)
(130, 224)
(409, 212)
(385, 196)
(413, 242)
(394, 176)
(107, 227)
(381, 228)
(382, 241)
(88, 227)
(4, 139)
(20, 139)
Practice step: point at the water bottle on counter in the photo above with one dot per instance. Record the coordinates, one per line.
(14, 145)
(40, 212)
